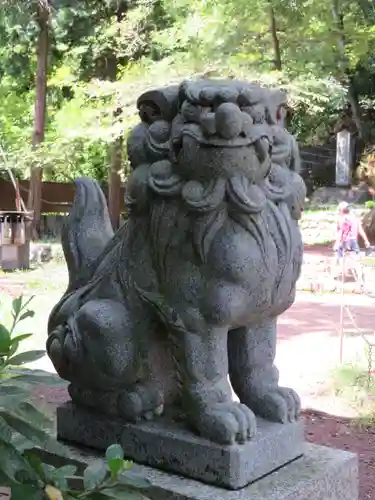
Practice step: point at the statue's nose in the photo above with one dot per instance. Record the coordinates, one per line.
(228, 120)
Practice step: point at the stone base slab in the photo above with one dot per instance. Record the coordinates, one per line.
(167, 445)
(320, 474)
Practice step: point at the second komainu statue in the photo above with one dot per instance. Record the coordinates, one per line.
(182, 302)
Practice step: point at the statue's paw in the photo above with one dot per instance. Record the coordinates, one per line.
(227, 423)
(281, 405)
(142, 401)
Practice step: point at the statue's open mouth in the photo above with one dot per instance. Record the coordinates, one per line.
(212, 142)
(215, 141)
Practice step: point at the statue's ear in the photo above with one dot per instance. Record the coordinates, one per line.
(160, 104)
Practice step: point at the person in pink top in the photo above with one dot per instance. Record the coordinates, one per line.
(349, 227)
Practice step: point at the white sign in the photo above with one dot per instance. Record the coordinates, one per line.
(343, 158)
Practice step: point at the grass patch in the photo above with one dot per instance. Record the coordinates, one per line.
(352, 383)
(319, 208)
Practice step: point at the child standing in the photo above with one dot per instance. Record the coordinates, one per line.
(349, 227)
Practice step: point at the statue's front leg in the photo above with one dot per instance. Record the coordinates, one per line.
(207, 394)
(254, 377)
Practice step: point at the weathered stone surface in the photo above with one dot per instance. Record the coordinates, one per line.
(181, 304)
(168, 445)
(321, 474)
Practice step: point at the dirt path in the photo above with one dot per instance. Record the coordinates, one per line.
(308, 349)
(340, 433)
(309, 345)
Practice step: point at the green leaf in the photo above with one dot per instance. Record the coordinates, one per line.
(31, 432)
(60, 477)
(15, 343)
(6, 431)
(48, 472)
(133, 480)
(21, 443)
(11, 396)
(20, 338)
(116, 465)
(7, 389)
(5, 340)
(35, 463)
(26, 491)
(98, 495)
(12, 461)
(94, 474)
(67, 470)
(23, 306)
(28, 412)
(13, 349)
(36, 377)
(17, 305)
(28, 314)
(26, 477)
(26, 357)
(120, 492)
(114, 451)
(11, 402)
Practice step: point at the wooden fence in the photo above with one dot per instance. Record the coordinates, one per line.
(56, 197)
(317, 161)
(318, 168)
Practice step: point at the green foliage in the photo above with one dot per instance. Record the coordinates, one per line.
(23, 428)
(366, 168)
(21, 424)
(104, 53)
(353, 383)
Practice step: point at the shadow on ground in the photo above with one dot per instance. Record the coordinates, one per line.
(322, 314)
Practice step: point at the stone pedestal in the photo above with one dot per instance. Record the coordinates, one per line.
(167, 445)
(320, 474)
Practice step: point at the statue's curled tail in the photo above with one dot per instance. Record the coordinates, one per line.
(86, 233)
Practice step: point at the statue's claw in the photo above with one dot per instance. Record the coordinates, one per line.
(281, 405)
(227, 423)
(143, 401)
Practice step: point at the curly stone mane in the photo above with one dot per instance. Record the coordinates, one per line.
(159, 190)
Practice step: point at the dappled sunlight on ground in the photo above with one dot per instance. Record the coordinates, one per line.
(308, 333)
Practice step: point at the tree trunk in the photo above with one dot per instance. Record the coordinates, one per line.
(114, 188)
(356, 111)
(345, 76)
(35, 190)
(275, 39)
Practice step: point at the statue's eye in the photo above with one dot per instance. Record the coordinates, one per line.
(191, 112)
(149, 112)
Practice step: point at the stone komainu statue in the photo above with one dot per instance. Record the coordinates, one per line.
(188, 291)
